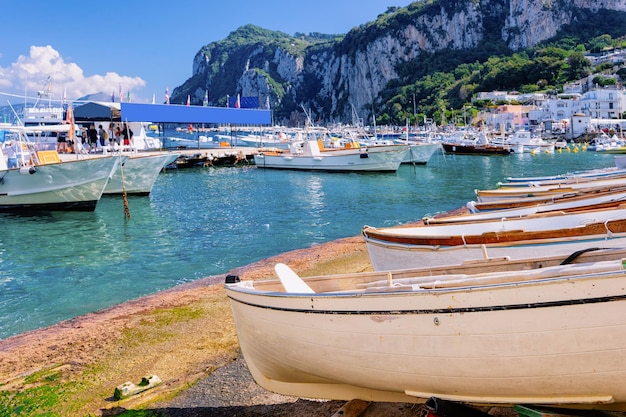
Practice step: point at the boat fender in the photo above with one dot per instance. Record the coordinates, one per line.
(28, 170)
(364, 155)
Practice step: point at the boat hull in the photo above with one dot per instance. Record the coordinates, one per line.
(420, 153)
(73, 185)
(375, 159)
(138, 174)
(389, 256)
(552, 233)
(547, 341)
(475, 149)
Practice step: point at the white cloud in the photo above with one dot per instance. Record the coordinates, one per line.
(45, 66)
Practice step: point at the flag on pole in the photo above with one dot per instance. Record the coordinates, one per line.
(267, 102)
(113, 96)
(128, 96)
(167, 96)
(64, 94)
(153, 98)
(188, 100)
(205, 102)
(69, 117)
(227, 99)
(238, 102)
(121, 95)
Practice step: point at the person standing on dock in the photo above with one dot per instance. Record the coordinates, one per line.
(127, 133)
(102, 134)
(92, 138)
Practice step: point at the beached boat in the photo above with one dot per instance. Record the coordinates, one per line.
(604, 199)
(46, 183)
(540, 190)
(553, 233)
(553, 336)
(138, 173)
(313, 156)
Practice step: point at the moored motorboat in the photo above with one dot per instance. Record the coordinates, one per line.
(469, 144)
(420, 152)
(50, 184)
(312, 156)
(553, 336)
(138, 173)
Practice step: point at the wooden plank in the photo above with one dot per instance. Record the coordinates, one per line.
(353, 408)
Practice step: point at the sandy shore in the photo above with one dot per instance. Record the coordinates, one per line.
(184, 335)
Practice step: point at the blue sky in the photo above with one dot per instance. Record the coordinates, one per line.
(143, 47)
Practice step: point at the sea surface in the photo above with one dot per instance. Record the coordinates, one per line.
(207, 221)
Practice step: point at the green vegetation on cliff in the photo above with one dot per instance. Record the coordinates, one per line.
(427, 83)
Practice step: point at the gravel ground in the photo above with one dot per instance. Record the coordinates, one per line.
(231, 391)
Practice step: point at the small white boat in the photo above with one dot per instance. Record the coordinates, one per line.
(524, 141)
(553, 233)
(310, 155)
(552, 336)
(267, 140)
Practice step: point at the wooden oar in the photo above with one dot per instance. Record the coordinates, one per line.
(291, 281)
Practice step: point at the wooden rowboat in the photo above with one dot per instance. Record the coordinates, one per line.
(553, 233)
(552, 336)
(547, 190)
(565, 205)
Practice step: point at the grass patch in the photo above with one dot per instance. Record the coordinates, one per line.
(170, 342)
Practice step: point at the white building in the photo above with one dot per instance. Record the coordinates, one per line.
(571, 113)
(605, 103)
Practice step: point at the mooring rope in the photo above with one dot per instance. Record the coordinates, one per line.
(126, 209)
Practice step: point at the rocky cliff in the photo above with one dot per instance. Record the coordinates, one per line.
(338, 76)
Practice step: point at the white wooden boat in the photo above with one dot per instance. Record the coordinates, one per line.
(54, 185)
(553, 233)
(551, 336)
(610, 198)
(309, 155)
(524, 201)
(138, 173)
(578, 176)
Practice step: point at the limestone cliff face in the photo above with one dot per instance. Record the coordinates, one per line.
(532, 21)
(333, 78)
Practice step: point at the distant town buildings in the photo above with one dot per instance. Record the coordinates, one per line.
(572, 113)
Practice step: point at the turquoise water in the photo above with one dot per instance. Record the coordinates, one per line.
(206, 221)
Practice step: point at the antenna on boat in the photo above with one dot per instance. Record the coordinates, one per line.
(308, 115)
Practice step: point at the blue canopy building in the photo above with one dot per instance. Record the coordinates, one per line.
(172, 113)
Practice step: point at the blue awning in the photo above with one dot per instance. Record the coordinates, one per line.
(174, 113)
